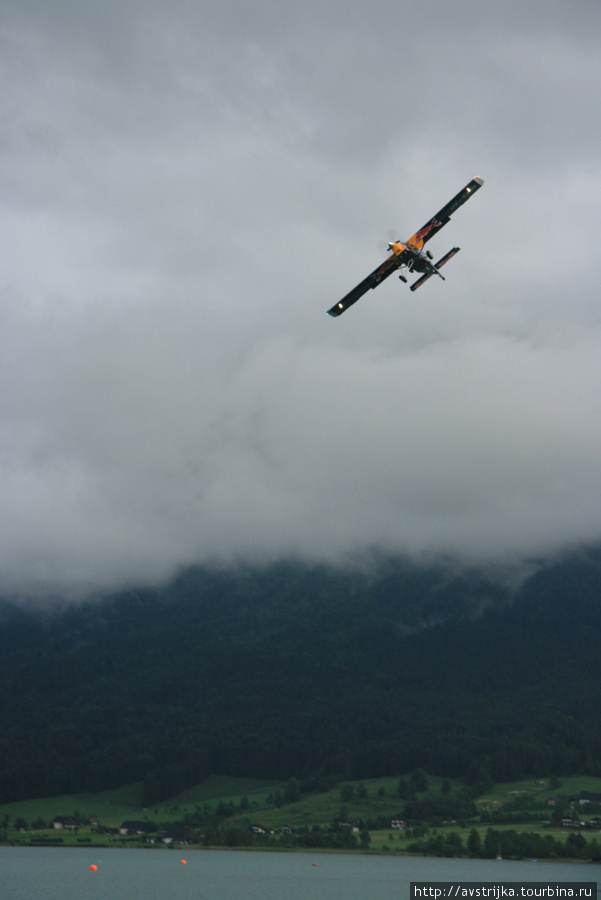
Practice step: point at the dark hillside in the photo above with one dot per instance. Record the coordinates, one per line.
(294, 671)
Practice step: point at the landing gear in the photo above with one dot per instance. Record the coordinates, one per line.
(429, 255)
(403, 278)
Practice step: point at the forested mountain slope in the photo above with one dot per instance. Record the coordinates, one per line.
(294, 670)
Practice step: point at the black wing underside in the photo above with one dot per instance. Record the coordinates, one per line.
(389, 266)
(443, 215)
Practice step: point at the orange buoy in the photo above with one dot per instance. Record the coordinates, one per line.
(93, 868)
(183, 862)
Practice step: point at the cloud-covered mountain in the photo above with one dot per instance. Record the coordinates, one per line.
(295, 670)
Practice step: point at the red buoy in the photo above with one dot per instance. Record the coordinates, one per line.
(93, 868)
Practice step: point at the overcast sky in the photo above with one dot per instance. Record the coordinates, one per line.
(186, 187)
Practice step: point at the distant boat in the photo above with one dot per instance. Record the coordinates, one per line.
(499, 856)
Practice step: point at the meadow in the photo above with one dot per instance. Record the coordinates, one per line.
(244, 801)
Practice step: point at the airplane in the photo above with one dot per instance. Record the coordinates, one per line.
(410, 256)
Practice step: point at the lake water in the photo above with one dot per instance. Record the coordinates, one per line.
(64, 874)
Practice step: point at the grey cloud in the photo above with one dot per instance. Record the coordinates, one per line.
(185, 190)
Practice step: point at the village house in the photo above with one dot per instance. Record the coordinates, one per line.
(584, 799)
(133, 827)
(178, 834)
(569, 822)
(66, 822)
(587, 797)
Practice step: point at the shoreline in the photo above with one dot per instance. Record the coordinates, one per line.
(194, 848)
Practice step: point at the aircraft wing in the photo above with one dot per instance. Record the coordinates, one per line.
(389, 266)
(443, 215)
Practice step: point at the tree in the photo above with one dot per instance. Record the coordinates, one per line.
(491, 844)
(560, 809)
(151, 790)
(419, 780)
(347, 792)
(291, 791)
(406, 789)
(453, 845)
(234, 836)
(474, 844)
(483, 780)
(576, 845)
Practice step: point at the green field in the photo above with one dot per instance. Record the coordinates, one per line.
(111, 808)
(541, 789)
